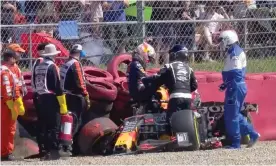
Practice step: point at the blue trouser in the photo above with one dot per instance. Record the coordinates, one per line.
(235, 123)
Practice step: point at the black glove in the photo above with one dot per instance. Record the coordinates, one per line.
(148, 80)
(222, 87)
(197, 100)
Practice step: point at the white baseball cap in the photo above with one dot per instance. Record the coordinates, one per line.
(77, 48)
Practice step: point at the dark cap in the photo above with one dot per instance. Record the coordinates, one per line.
(9, 54)
(41, 46)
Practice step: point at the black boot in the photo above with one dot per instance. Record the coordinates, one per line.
(10, 157)
(52, 155)
(65, 151)
(46, 156)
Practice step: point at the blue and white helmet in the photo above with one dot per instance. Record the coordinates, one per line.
(178, 52)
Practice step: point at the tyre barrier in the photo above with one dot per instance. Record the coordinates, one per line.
(98, 108)
(92, 131)
(213, 77)
(102, 95)
(121, 108)
(97, 74)
(27, 75)
(30, 112)
(261, 90)
(24, 144)
(269, 77)
(113, 65)
(27, 79)
(201, 78)
(99, 90)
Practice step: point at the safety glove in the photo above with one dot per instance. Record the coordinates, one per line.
(62, 104)
(87, 101)
(14, 113)
(20, 106)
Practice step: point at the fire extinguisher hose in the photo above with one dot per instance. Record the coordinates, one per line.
(76, 121)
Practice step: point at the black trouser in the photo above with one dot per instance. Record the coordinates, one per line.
(75, 104)
(48, 122)
(39, 134)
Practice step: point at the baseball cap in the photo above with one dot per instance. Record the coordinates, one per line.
(16, 48)
(77, 48)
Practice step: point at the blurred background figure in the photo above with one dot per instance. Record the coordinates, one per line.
(210, 31)
(114, 12)
(94, 14)
(8, 10)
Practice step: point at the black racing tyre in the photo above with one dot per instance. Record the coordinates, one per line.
(186, 121)
(203, 127)
(91, 134)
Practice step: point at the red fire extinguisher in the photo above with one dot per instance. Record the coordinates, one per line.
(65, 135)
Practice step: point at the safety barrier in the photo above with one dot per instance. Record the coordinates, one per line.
(261, 90)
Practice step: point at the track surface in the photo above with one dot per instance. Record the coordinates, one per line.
(263, 153)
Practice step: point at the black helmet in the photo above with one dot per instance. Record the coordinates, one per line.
(178, 53)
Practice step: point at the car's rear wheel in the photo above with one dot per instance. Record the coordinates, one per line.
(185, 121)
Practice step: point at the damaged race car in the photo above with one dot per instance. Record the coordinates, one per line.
(151, 129)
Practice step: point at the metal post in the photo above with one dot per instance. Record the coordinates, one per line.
(140, 19)
(245, 35)
(30, 47)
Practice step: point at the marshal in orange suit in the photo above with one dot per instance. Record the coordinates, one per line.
(11, 105)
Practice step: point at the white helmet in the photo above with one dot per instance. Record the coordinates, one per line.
(228, 37)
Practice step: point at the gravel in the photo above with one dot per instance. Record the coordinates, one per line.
(263, 153)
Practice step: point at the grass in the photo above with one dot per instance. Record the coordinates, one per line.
(253, 66)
